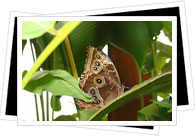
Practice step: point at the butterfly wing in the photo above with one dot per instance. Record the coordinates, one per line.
(99, 80)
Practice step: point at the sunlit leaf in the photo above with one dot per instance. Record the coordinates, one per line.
(58, 82)
(34, 29)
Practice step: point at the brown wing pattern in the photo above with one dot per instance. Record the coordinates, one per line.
(99, 80)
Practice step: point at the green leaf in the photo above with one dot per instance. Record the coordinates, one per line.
(57, 60)
(65, 118)
(94, 33)
(164, 49)
(58, 82)
(24, 73)
(170, 110)
(167, 28)
(86, 114)
(148, 63)
(34, 29)
(55, 103)
(105, 118)
(133, 37)
(154, 29)
(148, 112)
(60, 24)
(160, 83)
(163, 95)
(163, 53)
(23, 44)
(163, 104)
(157, 111)
(75, 115)
(167, 67)
(125, 36)
(160, 62)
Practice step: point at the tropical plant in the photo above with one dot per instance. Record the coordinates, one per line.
(60, 49)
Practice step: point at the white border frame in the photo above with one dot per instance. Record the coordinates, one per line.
(98, 18)
(119, 9)
(7, 66)
(180, 4)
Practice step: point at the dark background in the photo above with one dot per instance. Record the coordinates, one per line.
(182, 96)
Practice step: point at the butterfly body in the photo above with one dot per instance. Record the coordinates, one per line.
(100, 80)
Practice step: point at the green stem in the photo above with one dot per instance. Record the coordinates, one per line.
(36, 105)
(63, 33)
(52, 115)
(47, 101)
(72, 64)
(54, 67)
(64, 56)
(42, 107)
(35, 97)
(142, 101)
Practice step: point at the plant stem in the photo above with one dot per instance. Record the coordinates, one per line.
(47, 101)
(52, 115)
(42, 107)
(35, 97)
(36, 105)
(54, 67)
(142, 101)
(64, 55)
(63, 33)
(72, 63)
(71, 58)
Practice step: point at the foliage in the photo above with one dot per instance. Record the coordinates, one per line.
(138, 39)
(58, 82)
(157, 111)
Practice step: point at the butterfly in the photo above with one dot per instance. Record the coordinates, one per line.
(100, 80)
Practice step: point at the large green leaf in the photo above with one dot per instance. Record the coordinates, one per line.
(65, 118)
(132, 37)
(58, 82)
(154, 28)
(34, 29)
(160, 83)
